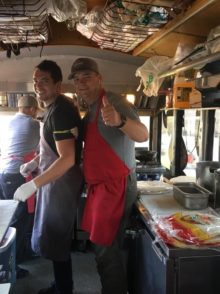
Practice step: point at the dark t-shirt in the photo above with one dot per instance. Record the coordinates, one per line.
(59, 119)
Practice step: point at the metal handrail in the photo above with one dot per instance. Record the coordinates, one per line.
(189, 65)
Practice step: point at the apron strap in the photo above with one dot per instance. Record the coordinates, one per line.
(99, 105)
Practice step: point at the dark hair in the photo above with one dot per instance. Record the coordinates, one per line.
(53, 68)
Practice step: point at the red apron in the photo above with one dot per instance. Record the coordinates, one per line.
(105, 174)
(26, 158)
(30, 200)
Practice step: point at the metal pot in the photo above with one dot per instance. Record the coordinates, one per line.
(145, 155)
(205, 174)
(206, 178)
(217, 189)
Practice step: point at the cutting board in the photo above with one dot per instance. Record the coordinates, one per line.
(164, 204)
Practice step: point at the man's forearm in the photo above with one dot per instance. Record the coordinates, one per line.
(135, 130)
(56, 170)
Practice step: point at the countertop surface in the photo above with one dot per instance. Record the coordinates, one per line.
(4, 288)
(152, 206)
(165, 204)
(7, 210)
(160, 204)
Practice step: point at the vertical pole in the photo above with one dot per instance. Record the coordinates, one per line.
(176, 167)
(207, 141)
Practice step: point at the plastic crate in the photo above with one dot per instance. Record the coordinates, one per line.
(7, 257)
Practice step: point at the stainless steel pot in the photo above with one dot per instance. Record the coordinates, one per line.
(205, 174)
(217, 189)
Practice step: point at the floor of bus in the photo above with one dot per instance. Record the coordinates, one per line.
(86, 279)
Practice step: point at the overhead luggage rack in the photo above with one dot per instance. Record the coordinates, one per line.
(23, 23)
(125, 24)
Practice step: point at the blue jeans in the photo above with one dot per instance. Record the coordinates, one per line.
(21, 220)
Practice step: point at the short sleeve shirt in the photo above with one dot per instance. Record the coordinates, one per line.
(21, 138)
(59, 120)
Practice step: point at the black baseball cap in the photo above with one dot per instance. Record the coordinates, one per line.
(83, 64)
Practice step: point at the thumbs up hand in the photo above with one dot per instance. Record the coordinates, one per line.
(105, 101)
(109, 115)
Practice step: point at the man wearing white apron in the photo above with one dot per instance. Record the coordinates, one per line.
(60, 180)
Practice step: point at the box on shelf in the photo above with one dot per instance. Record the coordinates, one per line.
(7, 257)
(3, 99)
(195, 99)
(181, 93)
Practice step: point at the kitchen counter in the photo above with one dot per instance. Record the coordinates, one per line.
(160, 204)
(7, 210)
(150, 206)
(157, 268)
(165, 204)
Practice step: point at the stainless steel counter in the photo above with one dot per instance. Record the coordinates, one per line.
(151, 206)
(164, 204)
(158, 268)
(7, 210)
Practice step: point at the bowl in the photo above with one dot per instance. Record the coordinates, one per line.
(145, 155)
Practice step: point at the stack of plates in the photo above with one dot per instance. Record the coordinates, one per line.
(153, 187)
(183, 179)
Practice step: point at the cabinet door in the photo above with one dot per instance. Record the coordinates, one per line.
(149, 270)
(199, 275)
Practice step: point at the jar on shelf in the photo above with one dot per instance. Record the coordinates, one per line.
(3, 99)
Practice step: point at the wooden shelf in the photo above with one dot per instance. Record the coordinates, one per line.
(193, 108)
(147, 111)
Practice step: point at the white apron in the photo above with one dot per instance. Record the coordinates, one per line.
(55, 209)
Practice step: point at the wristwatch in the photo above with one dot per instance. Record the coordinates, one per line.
(123, 121)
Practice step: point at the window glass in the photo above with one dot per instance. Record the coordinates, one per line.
(5, 117)
(216, 147)
(191, 136)
(166, 140)
(146, 121)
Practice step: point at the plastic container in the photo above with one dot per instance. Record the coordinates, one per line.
(7, 256)
(191, 196)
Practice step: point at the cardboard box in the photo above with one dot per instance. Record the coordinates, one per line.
(181, 94)
(195, 99)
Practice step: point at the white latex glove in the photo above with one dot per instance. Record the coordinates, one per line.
(25, 191)
(27, 168)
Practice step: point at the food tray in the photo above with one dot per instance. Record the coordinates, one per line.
(190, 195)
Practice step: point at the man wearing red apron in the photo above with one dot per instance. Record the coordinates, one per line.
(21, 141)
(111, 127)
(59, 183)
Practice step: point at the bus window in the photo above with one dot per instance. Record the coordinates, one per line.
(190, 133)
(191, 136)
(145, 120)
(216, 147)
